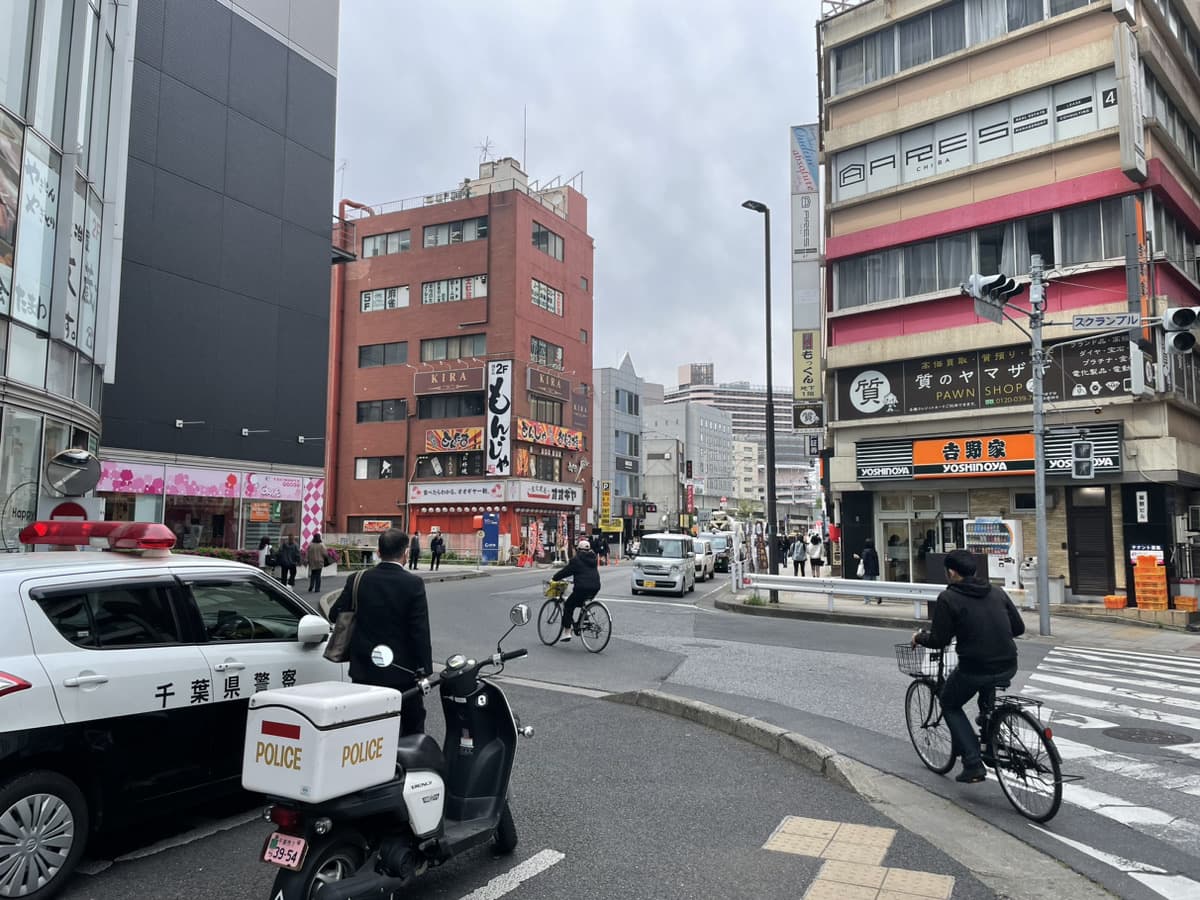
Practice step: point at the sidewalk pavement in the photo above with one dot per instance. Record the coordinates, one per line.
(1065, 628)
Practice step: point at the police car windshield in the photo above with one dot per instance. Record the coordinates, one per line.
(671, 549)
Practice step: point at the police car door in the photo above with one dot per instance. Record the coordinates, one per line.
(250, 644)
(118, 656)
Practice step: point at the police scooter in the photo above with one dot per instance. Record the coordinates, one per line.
(360, 812)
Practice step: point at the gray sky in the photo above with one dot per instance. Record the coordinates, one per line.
(674, 111)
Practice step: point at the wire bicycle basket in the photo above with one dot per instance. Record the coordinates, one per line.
(922, 662)
(555, 590)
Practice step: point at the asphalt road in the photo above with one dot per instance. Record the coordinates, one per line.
(638, 804)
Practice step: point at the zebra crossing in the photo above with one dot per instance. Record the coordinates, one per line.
(1147, 786)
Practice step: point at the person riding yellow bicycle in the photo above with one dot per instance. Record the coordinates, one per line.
(583, 568)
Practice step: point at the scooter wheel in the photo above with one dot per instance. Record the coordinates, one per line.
(506, 832)
(330, 858)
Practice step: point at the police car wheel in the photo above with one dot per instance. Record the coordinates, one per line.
(43, 830)
(330, 859)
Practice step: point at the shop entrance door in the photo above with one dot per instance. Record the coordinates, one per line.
(924, 542)
(1089, 537)
(894, 553)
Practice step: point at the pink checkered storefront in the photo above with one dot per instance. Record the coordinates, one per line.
(214, 507)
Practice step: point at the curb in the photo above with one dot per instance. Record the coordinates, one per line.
(783, 612)
(991, 854)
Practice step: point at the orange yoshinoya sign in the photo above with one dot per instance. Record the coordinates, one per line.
(974, 456)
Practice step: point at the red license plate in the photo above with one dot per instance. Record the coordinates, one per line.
(285, 850)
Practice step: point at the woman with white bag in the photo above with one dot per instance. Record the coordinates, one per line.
(868, 566)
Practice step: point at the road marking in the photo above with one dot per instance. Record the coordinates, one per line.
(1110, 676)
(1133, 712)
(1164, 699)
(1156, 823)
(1173, 887)
(1139, 667)
(1127, 766)
(95, 867)
(1138, 654)
(509, 881)
(552, 686)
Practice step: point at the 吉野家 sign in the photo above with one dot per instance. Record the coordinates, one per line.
(999, 454)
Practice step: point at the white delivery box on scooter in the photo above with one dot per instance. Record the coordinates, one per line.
(317, 741)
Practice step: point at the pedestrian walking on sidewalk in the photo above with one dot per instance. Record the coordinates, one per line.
(816, 554)
(868, 562)
(266, 556)
(316, 562)
(798, 554)
(289, 560)
(437, 547)
(414, 550)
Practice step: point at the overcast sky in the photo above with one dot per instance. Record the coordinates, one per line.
(675, 112)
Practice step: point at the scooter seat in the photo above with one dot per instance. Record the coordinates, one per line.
(420, 751)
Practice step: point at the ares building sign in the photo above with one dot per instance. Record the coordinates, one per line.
(984, 379)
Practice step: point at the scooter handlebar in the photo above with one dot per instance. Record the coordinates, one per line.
(423, 686)
(512, 654)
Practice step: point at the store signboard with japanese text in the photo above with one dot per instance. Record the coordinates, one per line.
(970, 457)
(270, 486)
(547, 385)
(581, 411)
(457, 492)
(446, 440)
(545, 492)
(983, 379)
(448, 381)
(499, 417)
(550, 435)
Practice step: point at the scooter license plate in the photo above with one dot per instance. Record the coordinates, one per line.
(285, 850)
(649, 584)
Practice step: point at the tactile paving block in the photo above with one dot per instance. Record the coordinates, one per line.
(852, 873)
(920, 884)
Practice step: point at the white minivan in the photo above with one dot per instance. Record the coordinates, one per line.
(665, 562)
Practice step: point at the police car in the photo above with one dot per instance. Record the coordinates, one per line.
(124, 681)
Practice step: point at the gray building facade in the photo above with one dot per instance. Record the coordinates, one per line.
(617, 432)
(707, 436)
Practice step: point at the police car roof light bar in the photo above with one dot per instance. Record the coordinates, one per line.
(119, 535)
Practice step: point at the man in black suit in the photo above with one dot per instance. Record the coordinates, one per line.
(392, 610)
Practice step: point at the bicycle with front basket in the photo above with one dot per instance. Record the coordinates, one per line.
(595, 621)
(1012, 738)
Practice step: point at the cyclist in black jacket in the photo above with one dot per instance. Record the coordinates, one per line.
(587, 585)
(984, 621)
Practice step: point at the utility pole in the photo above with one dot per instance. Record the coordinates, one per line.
(1037, 304)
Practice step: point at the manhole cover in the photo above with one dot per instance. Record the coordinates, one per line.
(1147, 736)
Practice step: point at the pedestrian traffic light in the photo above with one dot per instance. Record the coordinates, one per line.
(1178, 322)
(996, 288)
(1083, 463)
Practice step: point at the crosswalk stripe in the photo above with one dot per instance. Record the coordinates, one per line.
(1164, 699)
(1109, 676)
(1157, 823)
(1133, 712)
(1134, 655)
(1127, 766)
(1141, 666)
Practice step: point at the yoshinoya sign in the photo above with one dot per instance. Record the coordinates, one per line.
(545, 492)
(983, 379)
(457, 492)
(547, 385)
(447, 381)
(983, 455)
(499, 417)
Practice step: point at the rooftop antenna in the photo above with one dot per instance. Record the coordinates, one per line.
(525, 137)
(485, 149)
(342, 173)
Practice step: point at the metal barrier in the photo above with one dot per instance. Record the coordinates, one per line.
(903, 591)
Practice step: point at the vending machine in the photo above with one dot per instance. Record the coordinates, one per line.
(997, 539)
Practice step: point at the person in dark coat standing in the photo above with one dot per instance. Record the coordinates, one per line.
(582, 568)
(289, 559)
(392, 610)
(414, 550)
(437, 548)
(870, 564)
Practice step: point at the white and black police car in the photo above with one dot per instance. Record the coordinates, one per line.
(124, 680)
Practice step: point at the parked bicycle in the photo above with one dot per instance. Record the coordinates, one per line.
(1012, 737)
(595, 621)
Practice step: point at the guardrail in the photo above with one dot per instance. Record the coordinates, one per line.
(898, 591)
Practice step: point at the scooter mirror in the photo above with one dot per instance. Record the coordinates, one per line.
(519, 614)
(382, 656)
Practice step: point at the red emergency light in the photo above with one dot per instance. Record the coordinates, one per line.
(119, 535)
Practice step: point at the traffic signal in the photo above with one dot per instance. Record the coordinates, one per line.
(1178, 322)
(1083, 463)
(688, 466)
(996, 288)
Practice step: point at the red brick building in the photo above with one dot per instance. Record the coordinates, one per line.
(446, 290)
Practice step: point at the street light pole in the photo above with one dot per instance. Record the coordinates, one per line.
(1037, 303)
(772, 549)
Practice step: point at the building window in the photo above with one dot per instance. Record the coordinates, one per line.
(450, 290)
(456, 232)
(627, 402)
(627, 443)
(545, 468)
(450, 406)
(583, 335)
(583, 283)
(382, 411)
(545, 354)
(386, 244)
(547, 241)
(385, 298)
(470, 464)
(546, 297)
(372, 355)
(543, 410)
(373, 467)
(465, 346)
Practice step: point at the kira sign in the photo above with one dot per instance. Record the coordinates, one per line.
(453, 380)
(547, 385)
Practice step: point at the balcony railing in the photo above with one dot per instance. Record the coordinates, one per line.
(345, 240)
(464, 192)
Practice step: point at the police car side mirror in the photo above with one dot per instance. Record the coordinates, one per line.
(382, 656)
(312, 630)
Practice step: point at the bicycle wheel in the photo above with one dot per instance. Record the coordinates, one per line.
(549, 621)
(927, 729)
(1027, 764)
(597, 626)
